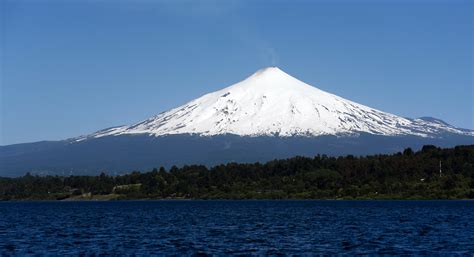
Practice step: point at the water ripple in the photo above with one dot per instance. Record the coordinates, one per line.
(237, 228)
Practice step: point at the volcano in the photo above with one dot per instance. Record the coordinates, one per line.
(268, 115)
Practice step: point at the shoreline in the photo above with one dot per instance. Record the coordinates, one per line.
(232, 199)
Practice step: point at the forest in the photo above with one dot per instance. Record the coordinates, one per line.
(431, 173)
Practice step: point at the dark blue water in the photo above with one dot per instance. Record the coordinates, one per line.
(237, 227)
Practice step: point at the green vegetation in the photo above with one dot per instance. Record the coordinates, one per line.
(406, 175)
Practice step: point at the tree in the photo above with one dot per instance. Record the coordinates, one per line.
(408, 152)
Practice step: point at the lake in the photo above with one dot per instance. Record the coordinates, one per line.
(237, 227)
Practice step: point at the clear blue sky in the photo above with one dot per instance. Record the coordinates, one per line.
(73, 67)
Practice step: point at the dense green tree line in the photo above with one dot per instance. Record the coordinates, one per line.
(406, 175)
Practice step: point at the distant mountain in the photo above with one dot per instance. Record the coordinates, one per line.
(268, 115)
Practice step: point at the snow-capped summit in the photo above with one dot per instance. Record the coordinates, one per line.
(272, 103)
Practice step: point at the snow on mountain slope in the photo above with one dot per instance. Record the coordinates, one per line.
(272, 103)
